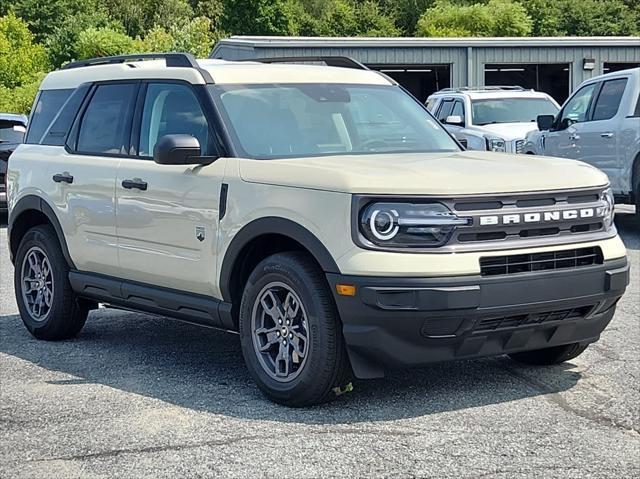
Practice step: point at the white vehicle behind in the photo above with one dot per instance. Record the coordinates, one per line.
(492, 118)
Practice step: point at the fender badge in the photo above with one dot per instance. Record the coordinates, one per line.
(200, 234)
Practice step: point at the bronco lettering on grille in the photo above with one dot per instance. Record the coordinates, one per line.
(540, 217)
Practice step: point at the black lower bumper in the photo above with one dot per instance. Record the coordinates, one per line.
(401, 322)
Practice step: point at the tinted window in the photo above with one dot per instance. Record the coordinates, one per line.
(609, 99)
(637, 111)
(510, 110)
(576, 109)
(104, 123)
(47, 106)
(171, 109)
(458, 109)
(11, 131)
(445, 110)
(57, 133)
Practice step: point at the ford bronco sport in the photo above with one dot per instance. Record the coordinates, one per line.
(318, 210)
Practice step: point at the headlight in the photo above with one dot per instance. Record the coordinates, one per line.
(408, 225)
(608, 209)
(496, 144)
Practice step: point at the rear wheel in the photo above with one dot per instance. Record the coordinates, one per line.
(290, 332)
(47, 304)
(548, 356)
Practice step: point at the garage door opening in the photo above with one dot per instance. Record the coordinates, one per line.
(610, 67)
(420, 80)
(549, 78)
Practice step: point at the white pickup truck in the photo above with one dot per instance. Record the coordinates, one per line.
(600, 125)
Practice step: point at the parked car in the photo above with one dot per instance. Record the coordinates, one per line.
(493, 118)
(274, 204)
(12, 130)
(600, 125)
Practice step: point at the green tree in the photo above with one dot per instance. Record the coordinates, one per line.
(258, 17)
(496, 18)
(598, 18)
(21, 60)
(102, 42)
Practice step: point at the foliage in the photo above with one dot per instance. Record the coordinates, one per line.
(19, 99)
(21, 60)
(259, 17)
(102, 42)
(494, 19)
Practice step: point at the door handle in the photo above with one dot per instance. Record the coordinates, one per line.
(63, 178)
(574, 137)
(136, 183)
(606, 135)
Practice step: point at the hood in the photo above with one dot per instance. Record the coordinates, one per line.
(508, 131)
(454, 173)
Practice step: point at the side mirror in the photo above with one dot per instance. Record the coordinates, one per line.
(545, 122)
(454, 120)
(179, 150)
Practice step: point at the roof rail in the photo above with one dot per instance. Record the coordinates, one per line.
(482, 88)
(331, 61)
(173, 59)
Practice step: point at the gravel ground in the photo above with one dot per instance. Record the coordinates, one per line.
(139, 396)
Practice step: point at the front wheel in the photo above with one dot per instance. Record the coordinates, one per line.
(290, 332)
(47, 304)
(549, 356)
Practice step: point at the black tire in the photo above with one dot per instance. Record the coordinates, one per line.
(549, 356)
(65, 316)
(325, 365)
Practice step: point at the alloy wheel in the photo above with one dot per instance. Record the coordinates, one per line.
(37, 283)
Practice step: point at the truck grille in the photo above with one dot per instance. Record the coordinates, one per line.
(552, 260)
(519, 146)
(520, 220)
(506, 322)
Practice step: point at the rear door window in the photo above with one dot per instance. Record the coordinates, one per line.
(458, 109)
(46, 108)
(105, 127)
(609, 98)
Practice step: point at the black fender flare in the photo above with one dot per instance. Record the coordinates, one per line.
(35, 203)
(272, 225)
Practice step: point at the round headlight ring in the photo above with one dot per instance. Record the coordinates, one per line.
(389, 231)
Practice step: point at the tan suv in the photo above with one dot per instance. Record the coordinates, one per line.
(320, 211)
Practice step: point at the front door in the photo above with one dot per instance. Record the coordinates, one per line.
(167, 215)
(565, 138)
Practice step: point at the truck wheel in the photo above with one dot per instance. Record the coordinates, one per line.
(548, 356)
(290, 332)
(46, 302)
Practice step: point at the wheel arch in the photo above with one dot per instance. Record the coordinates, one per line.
(30, 211)
(261, 238)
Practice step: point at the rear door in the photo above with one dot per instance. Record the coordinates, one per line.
(167, 215)
(600, 137)
(564, 140)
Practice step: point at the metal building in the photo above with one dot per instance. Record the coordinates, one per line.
(555, 65)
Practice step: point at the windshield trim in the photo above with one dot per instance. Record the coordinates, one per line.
(239, 152)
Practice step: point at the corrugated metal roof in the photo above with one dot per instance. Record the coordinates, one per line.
(557, 42)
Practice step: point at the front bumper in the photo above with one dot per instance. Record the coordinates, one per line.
(401, 322)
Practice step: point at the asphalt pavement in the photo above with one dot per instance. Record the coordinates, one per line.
(136, 395)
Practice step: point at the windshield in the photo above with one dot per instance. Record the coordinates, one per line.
(511, 110)
(297, 120)
(11, 132)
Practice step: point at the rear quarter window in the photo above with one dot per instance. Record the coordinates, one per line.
(47, 106)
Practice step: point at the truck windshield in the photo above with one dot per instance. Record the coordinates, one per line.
(11, 132)
(510, 110)
(298, 120)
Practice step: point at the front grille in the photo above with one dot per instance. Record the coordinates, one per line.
(506, 322)
(521, 219)
(519, 146)
(552, 260)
